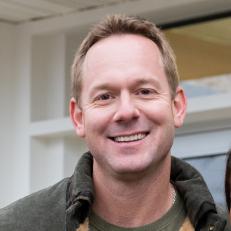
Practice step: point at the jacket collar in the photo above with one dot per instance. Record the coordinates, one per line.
(198, 201)
(80, 193)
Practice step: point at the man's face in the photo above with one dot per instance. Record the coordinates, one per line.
(127, 116)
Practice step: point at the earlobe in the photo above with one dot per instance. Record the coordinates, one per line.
(76, 116)
(179, 107)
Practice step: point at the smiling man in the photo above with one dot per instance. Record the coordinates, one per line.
(126, 105)
(127, 114)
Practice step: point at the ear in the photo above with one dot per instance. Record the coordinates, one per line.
(179, 107)
(76, 116)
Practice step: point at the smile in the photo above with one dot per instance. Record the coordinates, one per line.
(130, 138)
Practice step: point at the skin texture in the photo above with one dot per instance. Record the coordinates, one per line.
(125, 92)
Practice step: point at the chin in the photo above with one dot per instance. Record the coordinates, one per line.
(131, 167)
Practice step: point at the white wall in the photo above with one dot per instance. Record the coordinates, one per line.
(21, 145)
(7, 43)
(7, 47)
(13, 117)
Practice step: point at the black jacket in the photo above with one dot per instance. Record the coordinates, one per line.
(65, 205)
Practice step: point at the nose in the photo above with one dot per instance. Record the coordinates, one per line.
(126, 109)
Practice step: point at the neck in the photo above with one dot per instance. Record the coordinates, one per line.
(133, 203)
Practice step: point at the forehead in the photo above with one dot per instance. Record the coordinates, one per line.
(116, 49)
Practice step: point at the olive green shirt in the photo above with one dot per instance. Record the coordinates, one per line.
(171, 221)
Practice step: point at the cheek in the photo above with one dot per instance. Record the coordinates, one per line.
(97, 120)
(158, 112)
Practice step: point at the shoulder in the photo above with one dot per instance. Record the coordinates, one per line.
(42, 210)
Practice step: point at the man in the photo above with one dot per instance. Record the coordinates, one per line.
(126, 105)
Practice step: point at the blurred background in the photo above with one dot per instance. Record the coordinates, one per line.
(38, 40)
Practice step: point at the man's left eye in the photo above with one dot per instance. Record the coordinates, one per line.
(145, 91)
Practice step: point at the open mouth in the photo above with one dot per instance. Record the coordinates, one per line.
(129, 138)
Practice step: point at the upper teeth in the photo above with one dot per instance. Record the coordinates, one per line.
(129, 138)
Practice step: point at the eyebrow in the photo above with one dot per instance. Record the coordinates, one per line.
(111, 85)
(147, 80)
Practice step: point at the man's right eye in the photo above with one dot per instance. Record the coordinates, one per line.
(105, 96)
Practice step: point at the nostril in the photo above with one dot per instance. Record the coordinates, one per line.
(126, 114)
